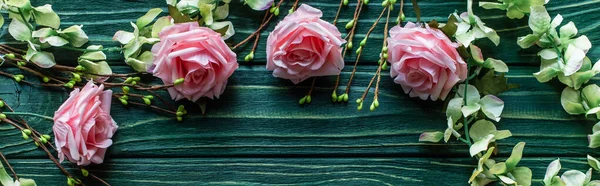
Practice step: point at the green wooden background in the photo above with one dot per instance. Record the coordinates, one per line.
(258, 134)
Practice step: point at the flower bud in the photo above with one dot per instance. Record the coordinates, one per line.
(340, 98)
(372, 107)
(10, 56)
(349, 46)
(384, 49)
(147, 101)
(363, 42)
(345, 97)
(1, 103)
(276, 12)
(69, 85)
(350, 24)
(385, 3)
(359, 50)
(85, 172)
(358, 100)
(402, 17)
(79, 68)
(249, 57)
(345, 3)
(123, 101)
(302, 100)
(125, 97)
(333, 96)
(359, 107)
(308, 99)
(43, 140)
(272, 9)
(136, 78)
(46, 79)
(76, 77)
(150, 97)
(179, 81)
(376, 103)
(26, 131)
(2, 116)
(179, 118)
(47, 137)
(25, 136)
(366, 2)
(179, 114)
(125, 89)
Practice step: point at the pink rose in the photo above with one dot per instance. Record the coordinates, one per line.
(424, 61)
(83, 127)
(197, 54)
(303, 46)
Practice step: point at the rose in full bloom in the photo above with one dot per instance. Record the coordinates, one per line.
(83, 127)
(424, 61)
(302, 46)
(198, 55)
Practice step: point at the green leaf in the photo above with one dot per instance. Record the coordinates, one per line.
(506, 180)
(96, 68)
(495, 64)
(221, 12)
(574, 57)
(161, 23)
(19, 30)
(591, 93)
(142, 62)
(123, 37)
(43, 59)
(472, 94)
(501, 134)
(578, 79)
(24, 4)
(480, 164)
(454, 109)
(481, 129)
(95, 55)
(492, 107)
(522, 175)
(594, 140)
(546, 74)
(148, 17)
(552, 171)
(493, 84)
(1, 20)
(569, 30)
(259, 4)
(499, 168)
(5, 179)
(178, 17)
(27, 182)
(470, 109)
(573, 177)
(539, 19)
(571, 101)
(206, 11)
(528, 40)
(44, 32)
(44, 15)
(225, 28)
(450, 28)
(476, 54)
(515, 156)
(75, 35)
(491, 5)
(54, 40)
(480, 145)
(433, 137)
(593, 162)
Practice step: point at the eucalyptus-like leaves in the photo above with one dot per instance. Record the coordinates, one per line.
(515, 9)
(585, 101)
(210, 13)
(6, 180)
(568, 178)
(94, 63)
(470, 28)
(507, 172)
(490, 105)
(490, 63)
(143, 33)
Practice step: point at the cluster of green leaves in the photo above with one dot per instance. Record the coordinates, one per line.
(515, 9)
(475, 106)
(6, 180)
(563, 55)
(571, 177)
(143, 33)
(25, 20)
(210, 13)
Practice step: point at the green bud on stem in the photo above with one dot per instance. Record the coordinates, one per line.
(350, 24)
(179, 81)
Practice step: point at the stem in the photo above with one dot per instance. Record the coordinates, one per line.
(9, 167)
(338, 12)
(359, 53)
(25, 21)
(385, 32)
(466, 123)
(257, 30)
(312, 86)
(29, 114)
(555, 48)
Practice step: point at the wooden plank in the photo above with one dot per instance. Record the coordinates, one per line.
(294, 171)
(101, 19)
(259, 116)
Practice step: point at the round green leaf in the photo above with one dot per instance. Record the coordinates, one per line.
(433, 137)
(539, 19)
(44, 15)
(19, 30)
(481, 129)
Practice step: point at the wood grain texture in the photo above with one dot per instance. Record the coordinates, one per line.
(259, 116)
(281, 172)
(257, 134)
(102, 18)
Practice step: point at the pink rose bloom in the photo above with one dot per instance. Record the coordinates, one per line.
(83, 127)
(424, 61)
(197, 54)
(303, 46)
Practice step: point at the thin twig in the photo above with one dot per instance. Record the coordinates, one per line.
(9, 167)
(257, 30)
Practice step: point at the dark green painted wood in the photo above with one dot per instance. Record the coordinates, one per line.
(258, 134)
(259, 116)
(101, 19)
(288, 171)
